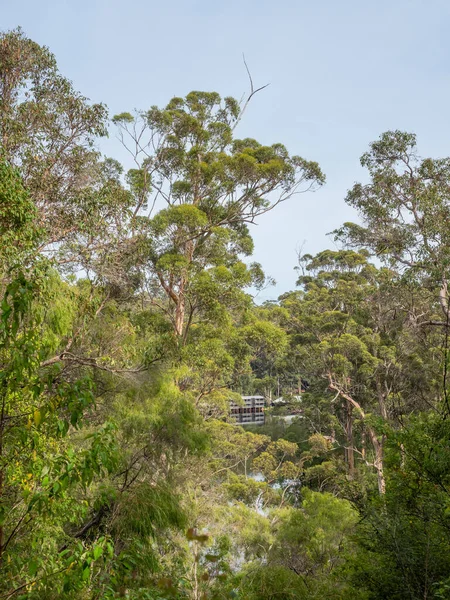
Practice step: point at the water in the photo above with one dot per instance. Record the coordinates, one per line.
(250, 419)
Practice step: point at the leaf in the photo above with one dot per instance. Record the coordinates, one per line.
(33, 567)
(37, 416)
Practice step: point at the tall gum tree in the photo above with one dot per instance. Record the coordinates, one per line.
(350, 330)
(49, 132)
(209, 187)
(405, 211)
(330, 324)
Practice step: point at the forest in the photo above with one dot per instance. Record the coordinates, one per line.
(128, 323)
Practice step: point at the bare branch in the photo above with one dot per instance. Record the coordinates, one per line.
(250, 96)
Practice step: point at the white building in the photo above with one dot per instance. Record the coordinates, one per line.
(252, 410)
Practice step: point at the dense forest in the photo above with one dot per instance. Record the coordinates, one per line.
(128, 324)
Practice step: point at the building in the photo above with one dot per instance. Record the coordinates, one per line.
(252, 411)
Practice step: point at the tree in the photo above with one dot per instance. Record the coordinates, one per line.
(49, 131)
(403, 544)
(405, 208)
(211, 186)
(309, 546)
(40, 469)
(348, 330)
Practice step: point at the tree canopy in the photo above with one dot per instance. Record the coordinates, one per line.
(128, 330)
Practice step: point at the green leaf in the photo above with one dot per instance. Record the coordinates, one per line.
(37, 417)
(33, 567)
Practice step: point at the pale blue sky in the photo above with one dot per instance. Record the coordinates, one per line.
(341, 72)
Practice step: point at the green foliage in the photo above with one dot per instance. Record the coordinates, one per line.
(18, 231)
(40, 469)
(120, 351)
(304, 558)
(404, 545)
(213, 186)
(49, 131)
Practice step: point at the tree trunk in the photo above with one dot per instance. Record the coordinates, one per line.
(444, 300)
(180, 311)
(376, 442)
(378, 462)
(363, 445)
(349, 451)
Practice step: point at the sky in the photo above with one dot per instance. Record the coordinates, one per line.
(341, 72)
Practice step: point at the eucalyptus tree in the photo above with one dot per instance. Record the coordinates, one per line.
(208, 187)
(309, 546)
(44, 459)
(405, 209)
(59, 198)
(49, 132)
(355, 342)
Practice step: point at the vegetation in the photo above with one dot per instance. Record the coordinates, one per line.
(127, 327)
